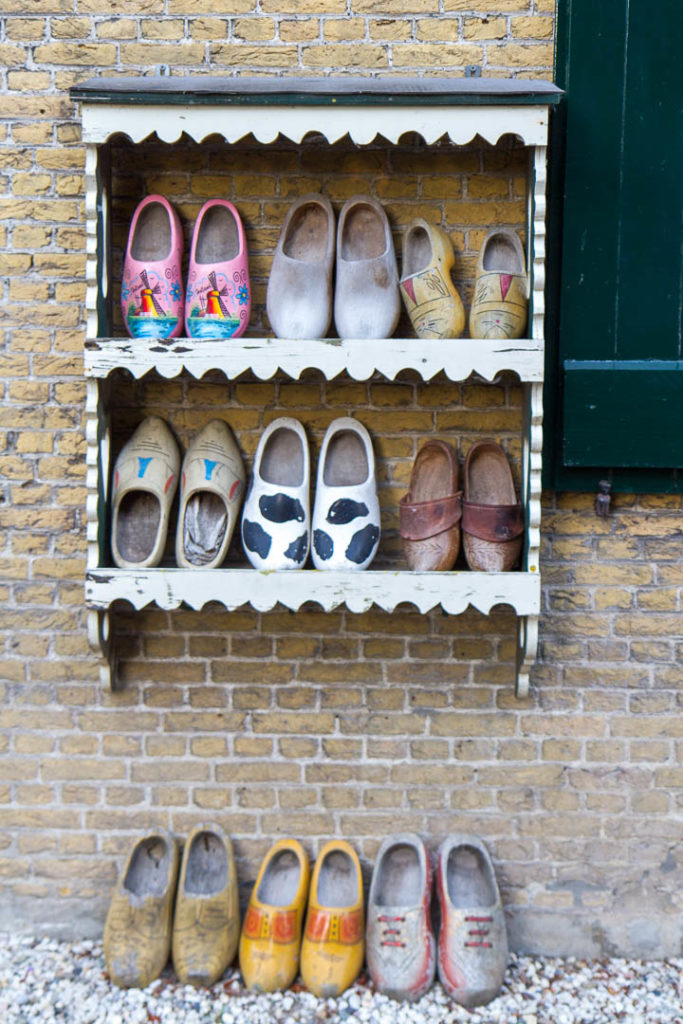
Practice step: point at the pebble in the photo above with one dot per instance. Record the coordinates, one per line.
(43, 981)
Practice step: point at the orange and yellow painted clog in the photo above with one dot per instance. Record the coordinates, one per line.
(334, 939)
(271, 932)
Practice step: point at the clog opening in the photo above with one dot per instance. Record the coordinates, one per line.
(147, 873)
(207, 865)
(502, 254)
(308, 234)
(280, 882)
(282, 461)
(205, 520)
(400, 877)
(337, 880)
(418, 251)
(218, 238)
(137, 525)
(469, 878)
(363, 234)
(346, 462)
(152, 238)
(489, 480)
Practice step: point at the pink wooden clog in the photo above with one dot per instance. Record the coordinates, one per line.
(151, 286)
(218, 301)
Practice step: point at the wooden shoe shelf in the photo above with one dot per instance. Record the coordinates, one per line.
(234, 108)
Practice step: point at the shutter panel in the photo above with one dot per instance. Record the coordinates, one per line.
(619, 330)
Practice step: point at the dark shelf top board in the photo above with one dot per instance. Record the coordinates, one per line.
(224, 91)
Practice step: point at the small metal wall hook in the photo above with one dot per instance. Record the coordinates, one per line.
(603, 499)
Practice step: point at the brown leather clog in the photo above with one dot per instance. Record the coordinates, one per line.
(492, 518)
(429, 514)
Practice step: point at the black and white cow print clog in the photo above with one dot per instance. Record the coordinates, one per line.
(346, 523)
(276, 521)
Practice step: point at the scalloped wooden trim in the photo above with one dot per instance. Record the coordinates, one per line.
(234, 588)
(360, 359)
(362, 124)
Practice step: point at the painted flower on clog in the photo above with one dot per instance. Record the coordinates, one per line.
(243, 295)
(176, 291)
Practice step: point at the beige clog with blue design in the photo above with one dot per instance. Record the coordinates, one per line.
(144, 485)
(211, 492)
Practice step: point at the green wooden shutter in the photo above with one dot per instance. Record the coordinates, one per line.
(615, 392)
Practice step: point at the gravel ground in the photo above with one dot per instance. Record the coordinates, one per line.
(42, 980)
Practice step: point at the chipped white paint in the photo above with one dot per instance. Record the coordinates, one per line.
(359, 358)
(363, 124)
(264, 357)
(358, 591)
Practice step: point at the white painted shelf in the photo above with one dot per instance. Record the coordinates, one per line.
(262, 110)
(358, 591)
(457, 358)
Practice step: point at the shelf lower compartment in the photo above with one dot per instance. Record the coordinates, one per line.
(458, 358)
(234, 588)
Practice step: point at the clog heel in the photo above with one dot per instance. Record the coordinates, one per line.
(218, 301)
(151, 286)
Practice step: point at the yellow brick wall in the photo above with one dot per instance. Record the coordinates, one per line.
(314, 724)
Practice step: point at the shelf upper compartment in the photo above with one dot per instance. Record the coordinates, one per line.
(200, 106)
(233, 588)
(359, 358)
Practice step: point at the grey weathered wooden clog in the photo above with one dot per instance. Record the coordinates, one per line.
(472, 948)
(299, 295)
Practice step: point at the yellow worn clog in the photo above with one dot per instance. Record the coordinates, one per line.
(334, 940)
(137, 932)
(433, 304)
(271, 932)
(501, 290)
(207, 922)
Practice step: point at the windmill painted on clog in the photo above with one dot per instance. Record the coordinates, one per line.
(146, 316)
(149, 306)
(214, 298)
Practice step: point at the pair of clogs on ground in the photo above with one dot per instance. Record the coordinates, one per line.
(344, 530)
(146, 475)
(433, 512)
(202, 932)
(218, 299)
(330, 953)
(402, 953)
(302, 293)
(433, 304)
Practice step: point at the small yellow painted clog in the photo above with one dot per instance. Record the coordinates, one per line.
(433, 304)
(501, 290)
(206, 925)
(271, 932)
(334, 939)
